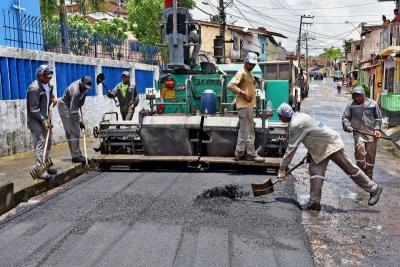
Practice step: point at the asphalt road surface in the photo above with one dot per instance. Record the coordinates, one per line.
(156, 219)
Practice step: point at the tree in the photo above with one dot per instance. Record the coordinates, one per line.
(331, 54)
(111, 34)
(144, 17)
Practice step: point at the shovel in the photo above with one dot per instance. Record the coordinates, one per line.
(382, 137)
(47, 163)
(267, 186)
(84, 141)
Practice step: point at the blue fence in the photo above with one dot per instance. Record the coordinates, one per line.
(17, 74)
(144, 79)
(113, 76)
(13, 86)
(67, 73)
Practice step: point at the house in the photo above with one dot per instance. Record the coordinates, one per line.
(242, 40)
(20, 24)
(107, 10)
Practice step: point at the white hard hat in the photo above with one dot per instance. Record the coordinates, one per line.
(251, 58)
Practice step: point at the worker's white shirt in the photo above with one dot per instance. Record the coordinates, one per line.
(47, 90)
(320, 140)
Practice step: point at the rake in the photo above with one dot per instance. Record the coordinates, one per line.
(47, 163)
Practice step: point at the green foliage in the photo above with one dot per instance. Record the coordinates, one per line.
(144, 17)
(111, 34)
(331, 54)
(51, 32)
(80, 34)
(48, 8)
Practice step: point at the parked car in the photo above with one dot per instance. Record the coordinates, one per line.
(337, 75)
(318, 76)
(313, 72)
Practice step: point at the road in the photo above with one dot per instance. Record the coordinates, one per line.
(157, 218)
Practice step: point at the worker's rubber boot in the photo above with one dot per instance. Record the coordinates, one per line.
(52, 171)
(315, 195)
(374, 197)
(80, 159)
(45, 176)
(239, 155)
(255, 158)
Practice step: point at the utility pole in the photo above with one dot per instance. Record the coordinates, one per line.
(300, 29)
(222, 27)
(305, 38)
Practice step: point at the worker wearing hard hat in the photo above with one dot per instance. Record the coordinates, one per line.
(363, 114)
(244, 86)
(127, 96)
(323, 144)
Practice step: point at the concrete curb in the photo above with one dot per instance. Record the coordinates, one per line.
(10, 199)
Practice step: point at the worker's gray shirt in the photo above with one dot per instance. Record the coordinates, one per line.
(73, 99)
(37, 105)
(320, 140)
(130, 99)
(365, 117)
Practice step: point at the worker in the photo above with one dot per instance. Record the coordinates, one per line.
(244, 86)
(69, 108)
(363, 114)
(39, 98)
(323, 145)
(127, 96)
(195, 39)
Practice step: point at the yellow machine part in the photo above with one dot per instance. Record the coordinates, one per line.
(167, 93)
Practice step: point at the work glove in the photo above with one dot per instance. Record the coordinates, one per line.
(281, 175)
(349, 129)
(46, 124)
(82, 125)
(377, 134)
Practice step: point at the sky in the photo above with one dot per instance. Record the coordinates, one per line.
(283, 16)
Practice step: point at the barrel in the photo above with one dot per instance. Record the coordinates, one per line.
(208, 103)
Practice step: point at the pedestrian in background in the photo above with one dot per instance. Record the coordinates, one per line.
(386, 22)
(68, 108)
(396, 18)
(323, 144)
(363, 114)
(39, 99)
(127, 96)
(244, 86)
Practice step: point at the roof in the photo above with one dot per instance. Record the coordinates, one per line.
(367, 29)
(244, 30)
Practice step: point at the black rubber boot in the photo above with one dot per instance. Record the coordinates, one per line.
(374, 197)
(52, 171)
(80, 159)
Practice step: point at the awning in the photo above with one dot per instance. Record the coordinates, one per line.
(370, 67)
(390, 50)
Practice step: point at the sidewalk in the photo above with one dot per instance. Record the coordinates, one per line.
(15, 169)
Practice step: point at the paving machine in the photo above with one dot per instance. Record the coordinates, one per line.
(190, 117)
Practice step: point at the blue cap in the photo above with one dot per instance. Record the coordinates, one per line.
(285, 110)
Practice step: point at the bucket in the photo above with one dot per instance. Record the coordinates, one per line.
(208, 103)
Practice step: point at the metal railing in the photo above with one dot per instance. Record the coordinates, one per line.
(390, 36)
(31, 32)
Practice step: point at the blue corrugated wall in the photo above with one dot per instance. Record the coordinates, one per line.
(144, 79)
(113, 76)
(68, 73)
(14, 86)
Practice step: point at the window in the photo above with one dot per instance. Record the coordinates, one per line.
(389, 79)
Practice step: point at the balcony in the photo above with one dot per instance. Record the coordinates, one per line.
(390, 36)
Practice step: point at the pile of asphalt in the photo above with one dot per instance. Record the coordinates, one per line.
(231, 191)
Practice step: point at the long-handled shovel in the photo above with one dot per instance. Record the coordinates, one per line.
(382, 137)
(267, 186)
(84, 140)
(47, 163)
